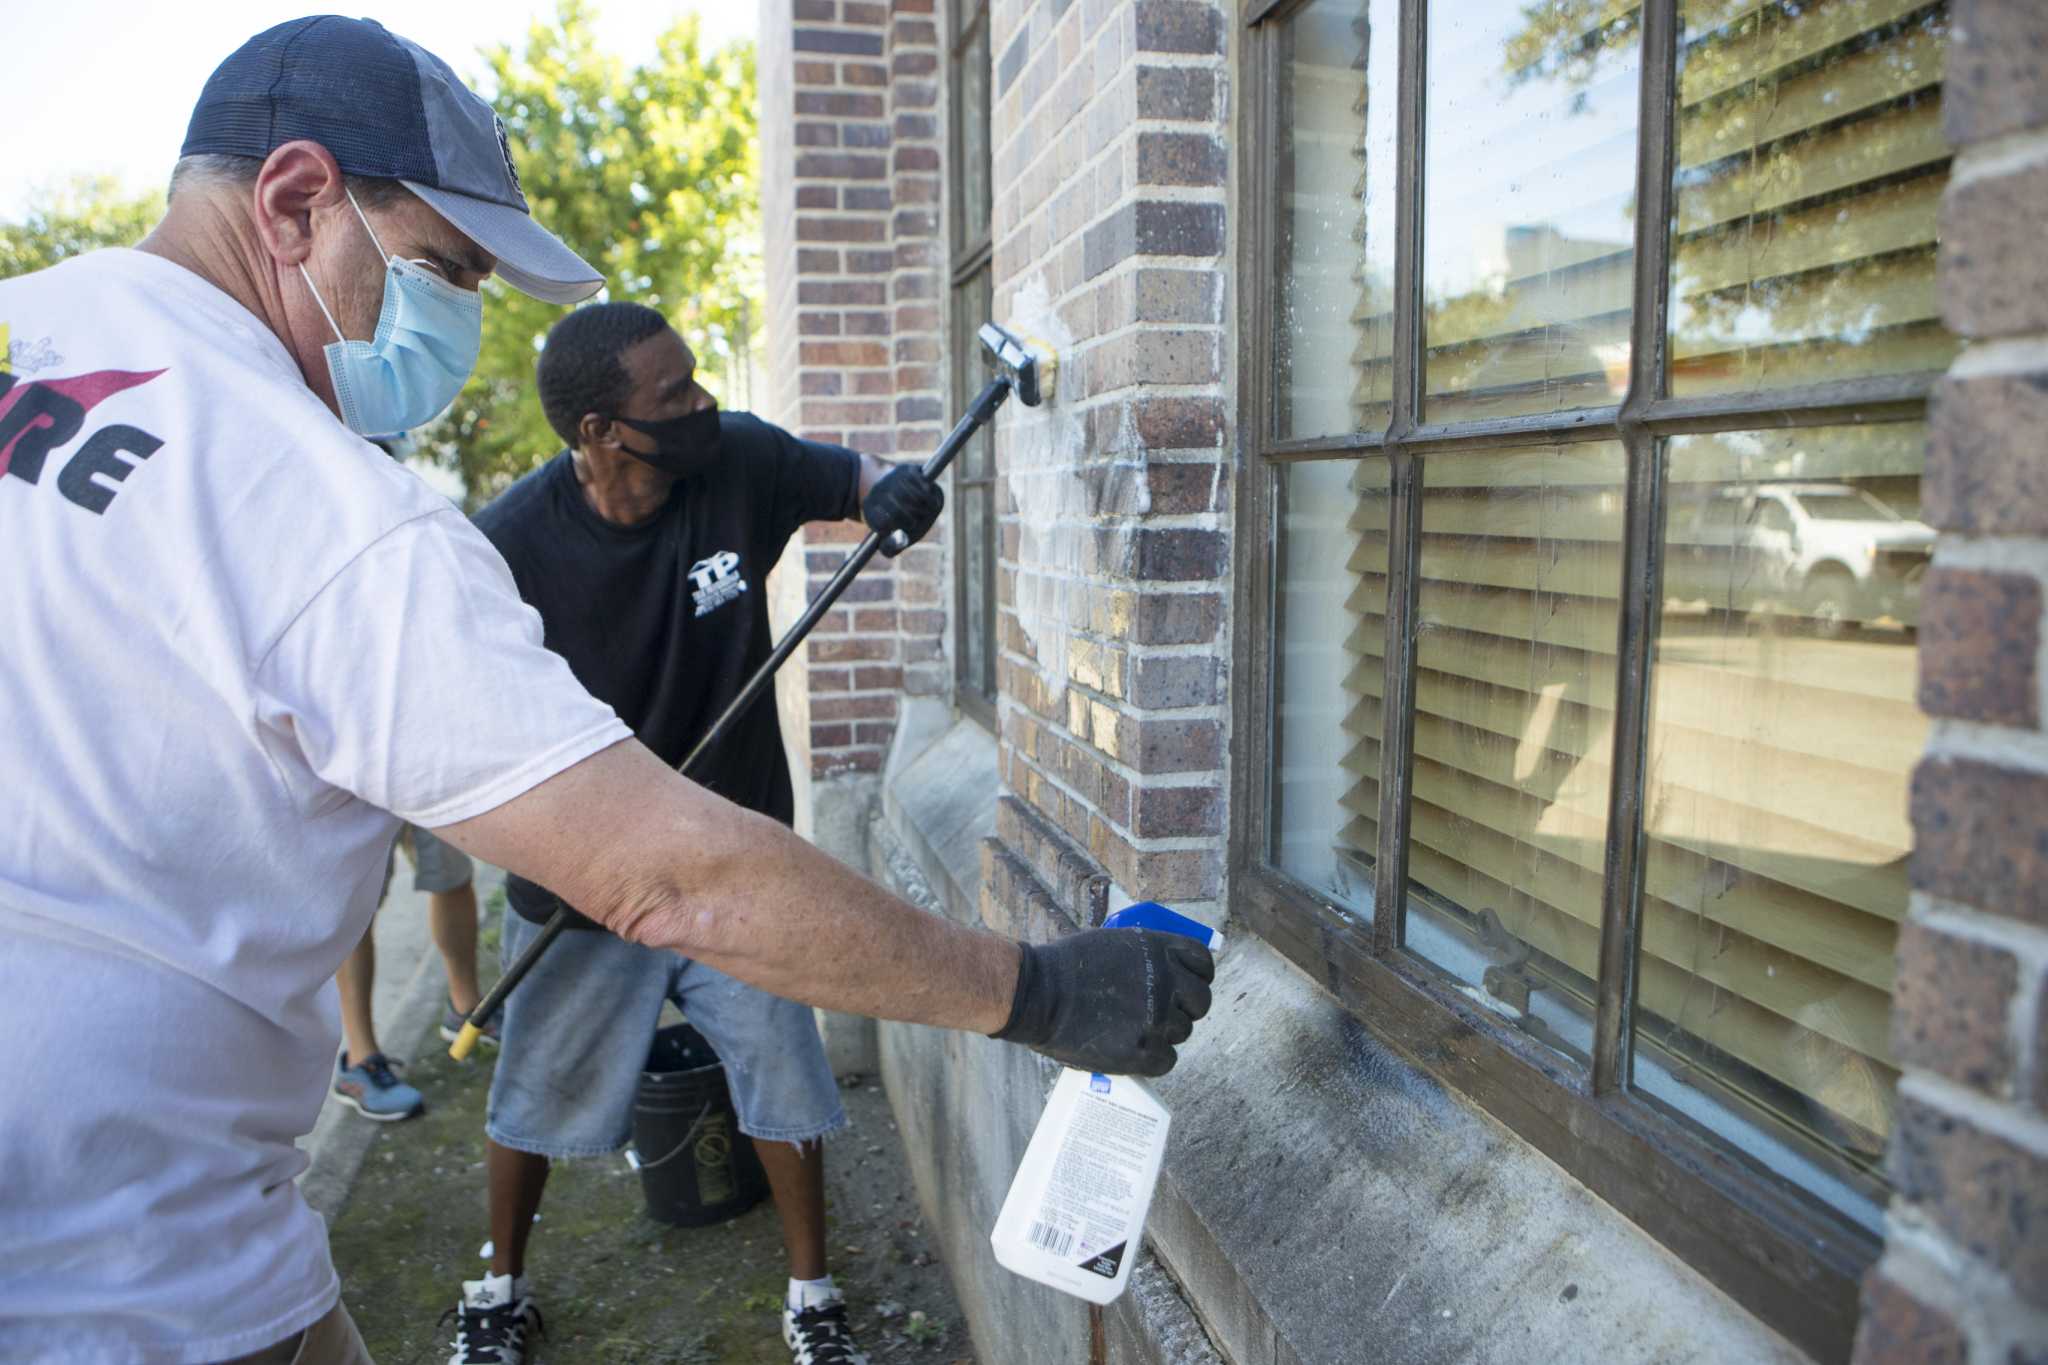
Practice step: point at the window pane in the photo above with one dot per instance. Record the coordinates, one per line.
(1334, 237)
(1330, 671)
(970, 143)
(977, 666)
(1514, 723)
(1783, 730)
(1810, 167)
(1528, 234)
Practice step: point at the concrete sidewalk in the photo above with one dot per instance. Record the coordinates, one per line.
(406, 1002)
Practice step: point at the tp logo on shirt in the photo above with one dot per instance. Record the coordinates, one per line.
(717, 580)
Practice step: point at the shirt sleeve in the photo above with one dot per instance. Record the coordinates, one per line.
(802, 481)
(416, 680)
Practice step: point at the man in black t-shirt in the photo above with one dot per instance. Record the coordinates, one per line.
(643, 546)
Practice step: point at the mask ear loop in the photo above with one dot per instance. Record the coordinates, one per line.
(381, 252)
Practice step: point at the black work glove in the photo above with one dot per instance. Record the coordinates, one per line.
(905, 500)
(1116, 1001)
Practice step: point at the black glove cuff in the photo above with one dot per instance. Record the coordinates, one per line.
(1020, 1004)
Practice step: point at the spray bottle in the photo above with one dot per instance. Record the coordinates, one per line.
(1077, 1208)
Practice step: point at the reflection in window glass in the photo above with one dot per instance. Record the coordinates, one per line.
(1782, 732)
(970, 141)
(973, 497)
(1518, 607)
(1330, 672)
(1334, 237)
(1528, 236)
(1810, 166)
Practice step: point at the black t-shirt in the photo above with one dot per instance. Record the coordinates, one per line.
(667, 620)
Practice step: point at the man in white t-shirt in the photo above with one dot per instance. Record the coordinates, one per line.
(237, 644)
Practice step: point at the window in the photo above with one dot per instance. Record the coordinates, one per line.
(1586, 422)
(972, 304)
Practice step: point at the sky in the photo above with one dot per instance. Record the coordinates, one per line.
(106, 86)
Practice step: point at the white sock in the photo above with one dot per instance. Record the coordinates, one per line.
(812, 1293)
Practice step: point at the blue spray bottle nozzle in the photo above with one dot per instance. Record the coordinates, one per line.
(1152, 915)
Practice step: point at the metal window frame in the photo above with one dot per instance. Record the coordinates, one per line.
(968, 260)
(1780, 1252)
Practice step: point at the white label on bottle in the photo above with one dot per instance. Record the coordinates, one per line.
(1091, 1199)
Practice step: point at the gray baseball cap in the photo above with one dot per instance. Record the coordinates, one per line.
(387, 108)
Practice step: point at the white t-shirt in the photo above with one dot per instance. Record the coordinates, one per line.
(233, 636)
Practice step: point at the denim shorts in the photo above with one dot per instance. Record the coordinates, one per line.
(436, 866)
(577, 1030)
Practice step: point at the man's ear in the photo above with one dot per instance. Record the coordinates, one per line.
(595, 431)
(296, 179)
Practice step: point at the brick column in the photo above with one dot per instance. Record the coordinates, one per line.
(1109, 226)
(1965, 1271)
(852, 288)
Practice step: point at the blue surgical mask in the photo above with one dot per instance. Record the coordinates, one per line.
(428, 335)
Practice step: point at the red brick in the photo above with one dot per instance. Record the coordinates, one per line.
(817, 73)
(870, 262)
(865, 73)
(1176, 92)
(1897, 1329)
(1951, 1007)
(874, 732)
(812, 324)
(836, 41)
(854, 292)
(817, 196)
(1178, 26)
(869, 198)
(1177, 618)
(854, 708)
(813, 229)
(1984, 470)
(811, 260)
(1996, 79)
(1988, 1195)
(1994, 275)
(1176, 812)
(850, 649)
(836, 104)
(1180, 159)
(830, 679)
(831, 736)
(819, 383)
(1981, 836)
(843, 353)
(1980, 645)
(841, 166)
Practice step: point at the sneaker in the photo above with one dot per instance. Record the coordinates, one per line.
(373, 1089)
(820, 1336)
(493, 1321)
(452, 1020)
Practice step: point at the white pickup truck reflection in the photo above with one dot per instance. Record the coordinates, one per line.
(1831, 553)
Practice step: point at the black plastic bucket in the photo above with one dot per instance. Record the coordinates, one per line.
(696, 1167)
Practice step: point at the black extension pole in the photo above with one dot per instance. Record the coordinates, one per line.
(983, 408)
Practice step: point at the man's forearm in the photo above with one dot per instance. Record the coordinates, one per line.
(659, 860)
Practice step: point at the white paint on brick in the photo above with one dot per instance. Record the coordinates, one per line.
(2024, 750)
(2015, 152)
(2007, 355)
(1046, 446)
(2028, 1132)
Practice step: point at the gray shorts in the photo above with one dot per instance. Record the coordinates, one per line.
(576, 1035)
(436, 866)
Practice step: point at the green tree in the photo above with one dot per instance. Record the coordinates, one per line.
(650, 172)
(87, 213)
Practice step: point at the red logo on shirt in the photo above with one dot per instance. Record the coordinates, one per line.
(39, 417)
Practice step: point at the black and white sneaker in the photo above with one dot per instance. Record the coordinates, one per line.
(493, 1322)
(820, 1336)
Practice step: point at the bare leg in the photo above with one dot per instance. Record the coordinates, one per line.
(517, 1181)
(796, 1177)
(451, 915)
(358, 973)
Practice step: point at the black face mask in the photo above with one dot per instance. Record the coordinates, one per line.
(684, 447)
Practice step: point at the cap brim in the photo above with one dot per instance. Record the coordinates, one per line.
(530, 258)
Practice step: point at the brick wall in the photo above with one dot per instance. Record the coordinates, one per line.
(1109, 239)
(1965, 1272)
(849, 151)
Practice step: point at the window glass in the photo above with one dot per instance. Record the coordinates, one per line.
(1517, 612)
(1529, 206)
(1330, 671)
(1334, 238)
(971, 141)
(1783, 731)
(1809, 173)
(973, 497)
